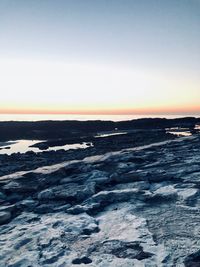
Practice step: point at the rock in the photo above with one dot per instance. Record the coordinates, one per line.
(2, 196)
(96, 176)
(21, 261)
(188, 195)
(13, 197)
(193, 260)
(192, 178)
(138, 207)
(74, 168)
(125, 167)
(8, 208)
(114, 196)
(83, 260)
(21, 187)
(105, 198)
(128, 177)
(77, 209)
(69, 192)
(5, 216)
(159, 176)
(121, 249)
(137, 185)
(43, 240)
(165, 193)
(41, 146)
(68, 180)
(50, 208)
(86, 207)
(27, 204)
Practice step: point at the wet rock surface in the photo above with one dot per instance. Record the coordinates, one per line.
(31, 160)
(136, 207)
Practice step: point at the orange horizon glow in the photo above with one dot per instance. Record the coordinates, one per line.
(146, 111)
(37, 87)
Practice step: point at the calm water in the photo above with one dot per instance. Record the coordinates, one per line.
(179, 133)
(37, 117)
(23, 146)
(106, 134)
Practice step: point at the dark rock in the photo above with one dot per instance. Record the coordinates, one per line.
(121, 249)
(13, 197)
(50, 208)
(128, 177)
(21, 186)
(27, 204)
(193, 260)
(5, 216)
(8, 208)
(83, 260)
(2, 196)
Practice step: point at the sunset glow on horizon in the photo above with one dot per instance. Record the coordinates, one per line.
(58, 88)
(147, 64)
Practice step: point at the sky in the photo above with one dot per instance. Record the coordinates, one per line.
(100, 56)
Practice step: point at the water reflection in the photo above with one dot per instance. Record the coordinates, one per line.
(186, 133)
(106, 134)
(178, 131)
(23, 146)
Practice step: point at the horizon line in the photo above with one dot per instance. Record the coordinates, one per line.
(161, 112)
(119, 111)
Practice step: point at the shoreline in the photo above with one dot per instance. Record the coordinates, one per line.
(62, 117)
(46, 130)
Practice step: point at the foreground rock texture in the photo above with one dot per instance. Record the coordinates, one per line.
(137, 207)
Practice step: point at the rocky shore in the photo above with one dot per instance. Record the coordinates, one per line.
(30, 160)
(136, 205)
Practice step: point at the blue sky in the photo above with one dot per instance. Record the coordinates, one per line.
(155, 37)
